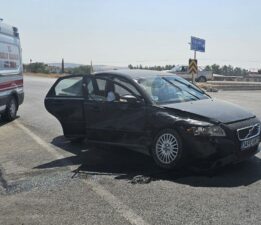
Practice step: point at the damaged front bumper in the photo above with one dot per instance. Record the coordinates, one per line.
(236, 158)
(213, 152)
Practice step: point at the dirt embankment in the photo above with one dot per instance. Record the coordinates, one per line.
(50, 75)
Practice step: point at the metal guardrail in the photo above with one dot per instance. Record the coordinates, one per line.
(218, 77)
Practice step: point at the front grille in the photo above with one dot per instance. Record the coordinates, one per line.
(248, 132)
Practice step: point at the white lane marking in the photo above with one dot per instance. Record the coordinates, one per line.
(112, 200)
(115, 203)
(39, 141)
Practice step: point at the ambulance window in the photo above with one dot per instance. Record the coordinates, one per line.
(9, 57)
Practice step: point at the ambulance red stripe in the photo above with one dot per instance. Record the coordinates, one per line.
(11, 84)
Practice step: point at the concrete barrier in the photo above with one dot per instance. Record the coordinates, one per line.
(231, 85)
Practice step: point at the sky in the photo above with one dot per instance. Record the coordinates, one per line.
(147, 32)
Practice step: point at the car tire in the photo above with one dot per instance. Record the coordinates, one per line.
(202, 79)
(167, 149)
(11, 109)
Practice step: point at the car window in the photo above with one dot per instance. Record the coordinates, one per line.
(122, 91)
(101, 84)
(165, 90)
(100, 89)
(90, 87)
(178, 69)
(159, 90)
(183, 69)
(96, 89)
(71, 86)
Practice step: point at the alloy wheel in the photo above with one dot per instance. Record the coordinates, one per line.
(167, 148)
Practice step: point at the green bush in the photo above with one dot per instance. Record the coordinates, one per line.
(36, 67)
(79, 70)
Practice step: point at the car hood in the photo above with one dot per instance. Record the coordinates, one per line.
(213, 109)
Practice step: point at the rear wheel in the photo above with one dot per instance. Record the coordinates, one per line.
(167, 149)
(11, 109)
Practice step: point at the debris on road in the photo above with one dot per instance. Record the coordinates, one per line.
(141, 179)
(79, 174)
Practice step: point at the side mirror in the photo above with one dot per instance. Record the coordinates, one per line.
(130, 98)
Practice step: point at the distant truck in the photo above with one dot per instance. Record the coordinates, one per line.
(11, 72)
(183, 71)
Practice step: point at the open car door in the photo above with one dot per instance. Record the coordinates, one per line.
(65, 100)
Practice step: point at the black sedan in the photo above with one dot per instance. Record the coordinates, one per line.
(156, 113)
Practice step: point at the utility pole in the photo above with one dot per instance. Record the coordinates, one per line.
(62, 71)
(91, 70)
(30, 65)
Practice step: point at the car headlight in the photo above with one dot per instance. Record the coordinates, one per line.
(213, 131)
(200, 128)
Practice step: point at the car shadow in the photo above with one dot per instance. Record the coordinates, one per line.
(3, 122)
(134, 167)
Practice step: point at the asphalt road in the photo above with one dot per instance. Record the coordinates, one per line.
(38, 185)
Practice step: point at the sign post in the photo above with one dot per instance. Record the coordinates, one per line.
(196, 45)
(193, 68)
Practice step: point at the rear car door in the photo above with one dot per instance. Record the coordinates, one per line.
(65, 101)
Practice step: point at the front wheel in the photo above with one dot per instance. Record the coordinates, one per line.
(167, 149)
(11, 109)
(202, 79)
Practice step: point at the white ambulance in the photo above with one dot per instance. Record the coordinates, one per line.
(11, 72)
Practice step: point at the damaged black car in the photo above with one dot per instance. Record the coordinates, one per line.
(155, 113)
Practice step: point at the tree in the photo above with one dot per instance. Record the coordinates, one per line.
(238, 71)
(224, 70)
(159, 68)
(169, 67)
(36, 67)
(80, 70)
(62, 70)
(208, 68)
(230, 71)
(227, 70)
(215, 68)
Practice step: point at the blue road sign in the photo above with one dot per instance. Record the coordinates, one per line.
(197, 44)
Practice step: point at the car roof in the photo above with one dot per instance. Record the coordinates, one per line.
(136, 73)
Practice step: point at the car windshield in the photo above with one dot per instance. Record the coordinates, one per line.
(170, 89)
